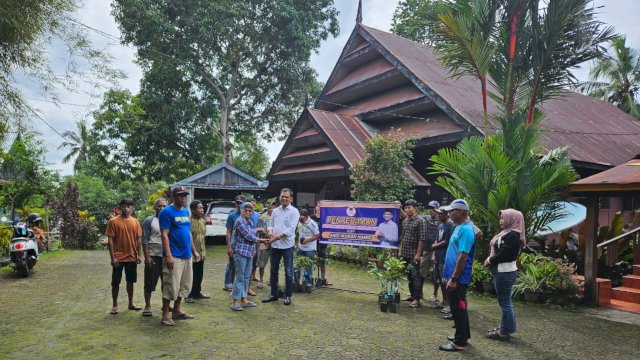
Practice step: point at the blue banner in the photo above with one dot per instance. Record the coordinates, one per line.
(359, 223)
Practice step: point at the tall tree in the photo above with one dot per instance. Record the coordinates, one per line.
(78, 144)
(247, 60)
(27, 29)
(616, 78)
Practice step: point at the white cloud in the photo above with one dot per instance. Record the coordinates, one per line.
(376, 13)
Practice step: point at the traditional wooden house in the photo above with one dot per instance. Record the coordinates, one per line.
(383, 81)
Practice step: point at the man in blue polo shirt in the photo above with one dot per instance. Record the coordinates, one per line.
(457, 270)
(179, 252)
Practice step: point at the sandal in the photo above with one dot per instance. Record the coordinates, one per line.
(251, 293)
(496, 335)
(167, 322)
(135, 308)
(146, 312)
(183, 316)
(414, 305)
(114, 310)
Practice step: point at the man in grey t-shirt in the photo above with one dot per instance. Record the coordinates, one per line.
(152, 248)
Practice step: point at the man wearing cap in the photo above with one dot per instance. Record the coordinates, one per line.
(457, 269)
(282, 235)
(426, 263)
(412, 238)
(124, 233)
(179, 253)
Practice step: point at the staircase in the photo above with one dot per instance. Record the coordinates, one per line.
(627, 296)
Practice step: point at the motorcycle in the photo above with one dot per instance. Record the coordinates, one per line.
(23, 249)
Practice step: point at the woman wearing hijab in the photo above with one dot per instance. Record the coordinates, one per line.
(505, 248)
(243, 246)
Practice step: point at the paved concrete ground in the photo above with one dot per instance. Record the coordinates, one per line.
(70, 298)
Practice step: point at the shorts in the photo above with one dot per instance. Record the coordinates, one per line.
(426, 264)
(262, 257)
(323, 252)
(152, 273)
(130, 273)
(177, 282)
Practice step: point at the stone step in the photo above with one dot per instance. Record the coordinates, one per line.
(631, 281)
(624, 293)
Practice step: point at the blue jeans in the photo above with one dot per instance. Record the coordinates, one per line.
(276, 255)
(308, 272)
(228, 270)
(242, 273)
(503, 282)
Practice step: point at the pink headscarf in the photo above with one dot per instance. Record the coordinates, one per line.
(513, 221)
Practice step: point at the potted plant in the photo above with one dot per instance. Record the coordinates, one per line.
(301, 264)
(482, 274)
(391, 275)
(528, 286)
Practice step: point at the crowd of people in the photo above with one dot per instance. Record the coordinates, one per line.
(440, 247)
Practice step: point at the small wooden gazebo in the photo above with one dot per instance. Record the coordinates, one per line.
(620, 181)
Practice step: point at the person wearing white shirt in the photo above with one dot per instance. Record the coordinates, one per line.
(282, 236)
(308, 234)
(387, 231)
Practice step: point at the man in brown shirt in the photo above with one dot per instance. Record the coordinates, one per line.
(124, 233)
(412, 237)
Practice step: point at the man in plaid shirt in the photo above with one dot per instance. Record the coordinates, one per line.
(412, 238)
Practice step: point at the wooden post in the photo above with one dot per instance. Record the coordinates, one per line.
(591, 252)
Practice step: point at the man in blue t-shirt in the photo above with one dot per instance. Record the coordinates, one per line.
(178, 249)
(457, 271)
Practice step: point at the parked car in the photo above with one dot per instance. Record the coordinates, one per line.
(216, 217)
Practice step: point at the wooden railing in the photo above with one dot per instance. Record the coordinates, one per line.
(611, 246)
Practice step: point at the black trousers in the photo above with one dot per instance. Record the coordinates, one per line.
(415, 280)
(198, 273)
(458, 304)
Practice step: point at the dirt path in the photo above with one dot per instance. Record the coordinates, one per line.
(70, 297)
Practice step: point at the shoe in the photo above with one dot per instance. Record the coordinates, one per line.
(270, 298)
(201, 297)
(496, 335)
(439, 306)
(227, 288)
(287, 300)
(326, 282)
(248, 304)
(448, 317)
(190, 300)
(408, 299)
(433, 299)
(451, 337)
(446, 310)
(259, 286)
(450, 347)
(236, 307)
(414, 304)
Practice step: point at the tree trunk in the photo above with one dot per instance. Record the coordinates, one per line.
(227, 146)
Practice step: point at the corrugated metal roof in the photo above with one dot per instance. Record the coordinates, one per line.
(622, 177)
(349, 137)
(596, 131)
(203, 179)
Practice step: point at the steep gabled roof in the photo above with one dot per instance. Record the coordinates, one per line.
(596, 131)
(223, 176)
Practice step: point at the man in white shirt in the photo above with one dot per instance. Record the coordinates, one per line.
(282, 237)
(387, 231)
(308, 234)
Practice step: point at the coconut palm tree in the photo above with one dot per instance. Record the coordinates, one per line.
(78, 144)
(616, 78)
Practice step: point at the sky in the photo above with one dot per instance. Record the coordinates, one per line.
(622, 14)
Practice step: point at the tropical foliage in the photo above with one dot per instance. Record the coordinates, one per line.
(375, 177)
(616, 78)
(522, 52)
(78, 144)
(246, 62)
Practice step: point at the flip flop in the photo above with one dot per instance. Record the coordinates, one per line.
(416, 305)
(251, 293)
(135, 308)
(114, 310)
(167, 322)
(146, 312)
(183, 316)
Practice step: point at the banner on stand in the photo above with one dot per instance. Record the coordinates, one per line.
(359, 223)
